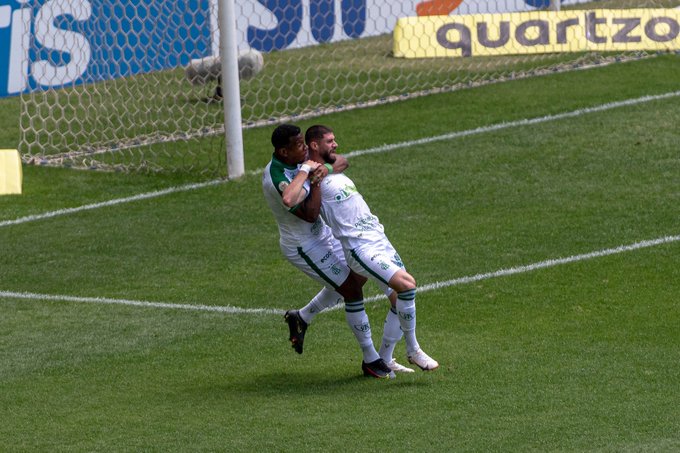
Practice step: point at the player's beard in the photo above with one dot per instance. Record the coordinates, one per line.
(330, 157)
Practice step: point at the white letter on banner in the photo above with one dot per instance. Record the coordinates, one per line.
(52, 37)
(18, 51)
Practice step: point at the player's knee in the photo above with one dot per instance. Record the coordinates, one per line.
(359, 279)
(409, 282)
(351, 289)
(402, 281)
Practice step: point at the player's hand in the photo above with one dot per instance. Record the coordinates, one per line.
(309, 167)
(318, 174)
(312, 163)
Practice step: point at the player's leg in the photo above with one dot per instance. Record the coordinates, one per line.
(405, 286)
(357, 320)
(326, 272)
(391, 333)
(299, 320)
(382, 262)
(323, 263)
(323, 300)
(312, 263)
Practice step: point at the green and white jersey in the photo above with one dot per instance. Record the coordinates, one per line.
(347, 214)
(293, 231)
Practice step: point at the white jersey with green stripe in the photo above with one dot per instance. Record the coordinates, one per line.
(293, 231)
(346, 212)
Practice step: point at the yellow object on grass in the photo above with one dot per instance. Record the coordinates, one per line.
(10, 172)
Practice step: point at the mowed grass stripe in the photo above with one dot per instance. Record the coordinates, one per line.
(424, 288)
(374, 150)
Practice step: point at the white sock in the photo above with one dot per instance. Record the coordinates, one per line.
(324, 299)
(357, 319)
(406, 308)
(391, 335)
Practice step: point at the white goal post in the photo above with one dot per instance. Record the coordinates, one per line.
(230, 89)
(104, 83)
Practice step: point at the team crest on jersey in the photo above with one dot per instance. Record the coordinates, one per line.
(283, 185)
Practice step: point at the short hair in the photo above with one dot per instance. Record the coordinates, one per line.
(316, 132)
(282, 135)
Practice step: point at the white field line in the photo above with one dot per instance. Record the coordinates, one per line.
(518, 123)
(380, 149)
(425, 288)
(543, 264)
(88, 207)
(137, 303)
(116, 201)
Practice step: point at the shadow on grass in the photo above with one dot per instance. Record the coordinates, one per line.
(305, 383)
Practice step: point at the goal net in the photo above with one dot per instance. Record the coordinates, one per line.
(104, 84)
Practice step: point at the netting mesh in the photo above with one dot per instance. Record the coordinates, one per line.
(133, 108)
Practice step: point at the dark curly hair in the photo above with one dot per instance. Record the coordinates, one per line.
(282, 135)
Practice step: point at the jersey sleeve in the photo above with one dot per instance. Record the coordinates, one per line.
(280, 178)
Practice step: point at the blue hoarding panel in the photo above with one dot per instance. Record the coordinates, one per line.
(69, 42)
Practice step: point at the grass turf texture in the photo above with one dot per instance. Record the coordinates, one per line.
(579, 357)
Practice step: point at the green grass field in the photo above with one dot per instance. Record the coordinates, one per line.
(575, 355)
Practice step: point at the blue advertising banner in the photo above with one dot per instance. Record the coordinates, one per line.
(271, 25)
(57, 43)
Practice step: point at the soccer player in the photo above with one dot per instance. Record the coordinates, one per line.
(367, 249)
(308, 244)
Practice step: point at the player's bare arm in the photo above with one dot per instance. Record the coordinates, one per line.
(310, 208)
(334, 164)
(295, 192)
(339, 162)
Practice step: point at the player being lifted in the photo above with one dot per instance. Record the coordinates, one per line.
(307, 243)
(367, 249)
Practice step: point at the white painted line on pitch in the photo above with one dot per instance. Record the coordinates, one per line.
(117, 201)
(380, 149)
(425, 288)
(88, 207)
(543, 264)
(523, 122)
(138, 303)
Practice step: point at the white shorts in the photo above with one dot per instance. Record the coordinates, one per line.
(379, 261)
(323, 261)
